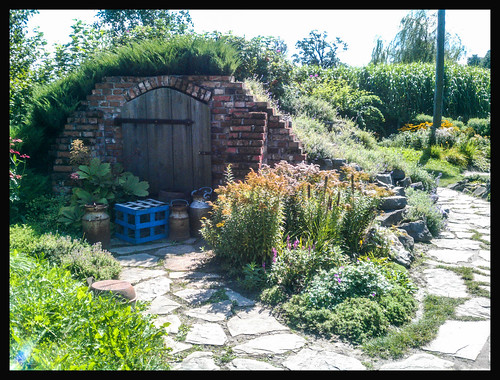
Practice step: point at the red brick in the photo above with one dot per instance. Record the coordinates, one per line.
(223, 98)
(241, 128)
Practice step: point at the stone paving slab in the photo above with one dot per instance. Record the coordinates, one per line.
(195, 296)
(152, 288)
(187, 262)
(138, 260)
(129, 249)
(162, 305)
(270, 344)
(244, 364)
(172, 319)
(214, 312)
(174, 249)
(206, 333)
(137, 274)
(316, 358)
(238, 298)
(254, 321)
(457, 244)
(451, 256)
(419, 362)
(176, 346)
(463, 339)
(442, 282)
(475, 307)
(197, 361)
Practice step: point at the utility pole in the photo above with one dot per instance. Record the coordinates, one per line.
(438, 91)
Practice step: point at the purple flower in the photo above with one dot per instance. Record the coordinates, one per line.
(295, 243)
(275, 253)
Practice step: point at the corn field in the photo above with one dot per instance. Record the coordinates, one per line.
(408, 89)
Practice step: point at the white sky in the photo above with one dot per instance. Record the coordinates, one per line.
(357, 27)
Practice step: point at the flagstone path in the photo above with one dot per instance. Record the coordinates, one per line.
(233, 332)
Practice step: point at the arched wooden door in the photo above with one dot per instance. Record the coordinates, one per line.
(166, 140)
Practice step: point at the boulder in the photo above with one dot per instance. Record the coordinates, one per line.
(398, 174)
(398, 252)
(417, 230)
(417, 186)
(405, 239)
(479, 192)
(399, 191)
(384, 178)
(390, 218)
(394, 202)
(405, 182)
(337, 163)
(328, 164)
(383, 184)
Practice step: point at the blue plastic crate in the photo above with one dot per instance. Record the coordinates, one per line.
(142, 221)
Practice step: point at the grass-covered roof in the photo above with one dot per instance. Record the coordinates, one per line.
(180, 55)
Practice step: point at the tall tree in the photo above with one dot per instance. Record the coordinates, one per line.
(25, 70)
(122, 21)
(315, 50)
(415, 42)
(438, 92)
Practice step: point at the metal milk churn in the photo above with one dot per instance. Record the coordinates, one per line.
(199, 208)
(179, 220)
(95, 224)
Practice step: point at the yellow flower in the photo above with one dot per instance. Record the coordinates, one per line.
(219, 224)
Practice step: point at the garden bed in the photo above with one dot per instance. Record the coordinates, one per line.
(308, 241)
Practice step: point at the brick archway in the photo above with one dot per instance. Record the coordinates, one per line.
(178, 83)
(244, 132)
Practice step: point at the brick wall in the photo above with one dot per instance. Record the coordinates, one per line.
(244, 132)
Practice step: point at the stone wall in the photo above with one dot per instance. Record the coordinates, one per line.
(244, 133)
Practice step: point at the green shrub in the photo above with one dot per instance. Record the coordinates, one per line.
(42, 214)
(296, 264)
(82, 259)
(98, 182)
(398, 307)
(354, 320)
(359, 319)
(358, 301)
(330, 288)
(422, 118)
(56, 324)
(454, 157)
(314, 108)
(360, 213)
(250, 218)
(420, 206)
(273, 295)
(480, 126)
(254, 277)
(247, 220)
